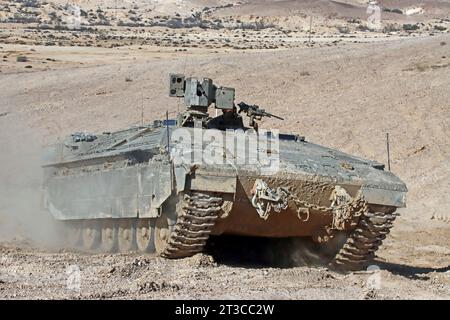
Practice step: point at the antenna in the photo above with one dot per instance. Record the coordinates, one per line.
(142, 106)
(388, 152)
(167, 128)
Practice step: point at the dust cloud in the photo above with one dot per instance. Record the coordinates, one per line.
(22, 218)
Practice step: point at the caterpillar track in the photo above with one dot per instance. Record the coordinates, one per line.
(360, 247)
(198, 213)
(197, 216)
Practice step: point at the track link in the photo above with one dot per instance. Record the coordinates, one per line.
(360, 247)
(198, 215)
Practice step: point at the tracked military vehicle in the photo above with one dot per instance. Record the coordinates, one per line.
(169, 185)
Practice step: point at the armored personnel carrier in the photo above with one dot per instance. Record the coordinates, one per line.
(167, 186)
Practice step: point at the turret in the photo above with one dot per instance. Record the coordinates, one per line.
(200, 93)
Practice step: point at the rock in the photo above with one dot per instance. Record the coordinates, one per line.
(21, 59)
(202, 260)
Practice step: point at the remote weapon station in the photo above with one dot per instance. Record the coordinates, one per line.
(166, 187)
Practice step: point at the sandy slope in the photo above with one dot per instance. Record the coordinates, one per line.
(329, 8)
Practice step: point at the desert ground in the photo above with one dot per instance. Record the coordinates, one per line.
(342, 86)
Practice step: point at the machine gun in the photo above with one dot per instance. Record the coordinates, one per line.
(255, 113)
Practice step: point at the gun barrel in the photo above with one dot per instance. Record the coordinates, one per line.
(256, 111)
(270, 115)
(277, 117)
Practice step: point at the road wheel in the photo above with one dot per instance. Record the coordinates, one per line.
(91, 235)
(109, 235)
(126, 235)
(73, 232)
(162, 234)
(145, 235)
